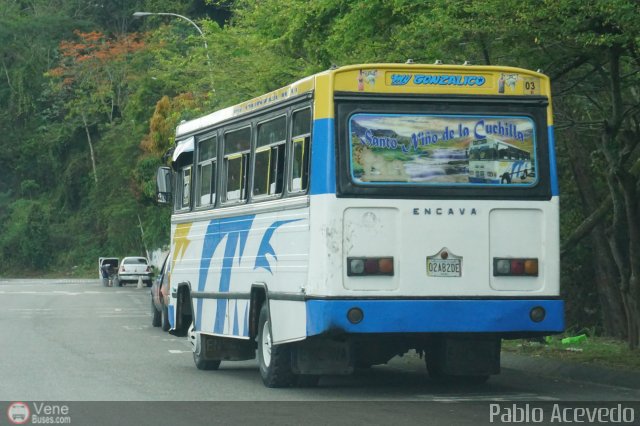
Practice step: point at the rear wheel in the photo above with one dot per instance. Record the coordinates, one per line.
(307, 380)
(274, 360)
(156, 315)
(165, 319)
(199, 352)
(434, 368)
(474, 380)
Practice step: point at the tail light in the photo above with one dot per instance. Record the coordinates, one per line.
(503, 267)
(363, 266)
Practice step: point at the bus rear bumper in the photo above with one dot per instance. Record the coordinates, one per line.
(434, 316)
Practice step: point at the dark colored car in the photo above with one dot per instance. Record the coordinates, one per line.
(160, 296)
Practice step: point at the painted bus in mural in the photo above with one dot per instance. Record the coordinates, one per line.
(343, 220)
(492, 160)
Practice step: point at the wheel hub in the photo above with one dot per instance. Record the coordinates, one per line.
(266, 344)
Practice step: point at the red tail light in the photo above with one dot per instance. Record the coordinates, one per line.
(503, 266)
(363, 266)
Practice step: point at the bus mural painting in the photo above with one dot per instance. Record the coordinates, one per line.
(441, 149)
(320, 229)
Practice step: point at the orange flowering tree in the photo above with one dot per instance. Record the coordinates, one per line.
(92, 79)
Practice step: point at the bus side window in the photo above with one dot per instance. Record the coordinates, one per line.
(236, 160)
(301, 138)
(206, 172)
(269, 158)
(177, 197)
(183, 198)
(503, 153)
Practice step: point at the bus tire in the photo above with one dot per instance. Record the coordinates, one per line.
(474, 380)
(506, 178)
(166, 325)
(155, 314)
(434, 368)
(307, 380)
(274, 360)
(198, 356)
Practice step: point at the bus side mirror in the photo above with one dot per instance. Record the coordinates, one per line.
(163, 185)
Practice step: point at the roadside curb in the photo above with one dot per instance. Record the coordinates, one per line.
(571, 370)
(50, 281)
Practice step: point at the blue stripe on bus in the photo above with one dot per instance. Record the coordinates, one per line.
(483, 180)
(323, 157)
(170, 313)
(425, 316)
(236, 229)
(246, 319)
(555, 190)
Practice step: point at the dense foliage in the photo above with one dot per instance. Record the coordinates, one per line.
(89, 99)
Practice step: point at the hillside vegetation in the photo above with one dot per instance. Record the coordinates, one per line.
(90, 97)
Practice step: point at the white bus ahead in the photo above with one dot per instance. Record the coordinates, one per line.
(340, 221)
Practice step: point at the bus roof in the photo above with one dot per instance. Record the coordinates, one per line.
(491, 140)
(390, 79)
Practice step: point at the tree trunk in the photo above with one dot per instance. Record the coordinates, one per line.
(618, 244)
(612, 312)
(624, 235)
(93, 157)
(629, 191)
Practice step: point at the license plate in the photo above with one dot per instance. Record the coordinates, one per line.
(444, 264)
(444, 268)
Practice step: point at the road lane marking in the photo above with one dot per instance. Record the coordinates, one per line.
(489, 397)
(131, 315)
(177, 351)
(65, 293)
(30, 309)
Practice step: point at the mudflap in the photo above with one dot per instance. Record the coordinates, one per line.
(320, 356)
(228, 349)
(465, 355)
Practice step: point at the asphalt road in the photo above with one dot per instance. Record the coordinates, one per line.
(73, 341)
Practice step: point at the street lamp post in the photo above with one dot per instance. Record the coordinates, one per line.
(204, 39)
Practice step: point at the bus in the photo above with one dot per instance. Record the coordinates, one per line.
(335, 223)
(492, 160)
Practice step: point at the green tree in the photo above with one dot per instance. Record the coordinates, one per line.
(92, 79)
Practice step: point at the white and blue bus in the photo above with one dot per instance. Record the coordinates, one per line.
(492, 160)
(336, 223)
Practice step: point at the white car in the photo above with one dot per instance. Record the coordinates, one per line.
(132, 269)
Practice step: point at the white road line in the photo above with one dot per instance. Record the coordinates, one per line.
(62, 292)
(124, 316)
(177, 351)
(489, 397)
(30, 309)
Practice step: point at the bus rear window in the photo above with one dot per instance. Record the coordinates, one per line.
(438, 149)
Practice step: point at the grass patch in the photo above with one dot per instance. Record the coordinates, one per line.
(592, 350)
(76, 272)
